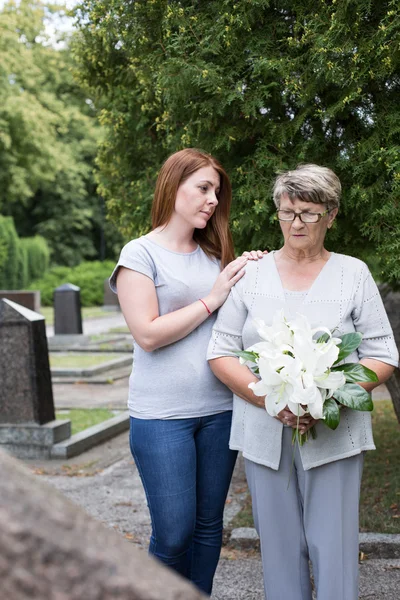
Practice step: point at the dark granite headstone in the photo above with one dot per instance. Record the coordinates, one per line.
(67, 309)
(28, 298)
(110, 301)
(27, 420)
(26, 395)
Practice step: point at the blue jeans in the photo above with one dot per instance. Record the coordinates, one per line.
(186, 467)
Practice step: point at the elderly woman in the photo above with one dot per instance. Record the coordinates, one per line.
(316, 517)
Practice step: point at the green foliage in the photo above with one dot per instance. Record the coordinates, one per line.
(331, 413)
(21, 260)
(3, 250)
(354, 396)
(48, 138)
(262, 85)
(9, 254)
(38, 254)
(357, 373)
(89, 276)
(349, 343)
(23, 278)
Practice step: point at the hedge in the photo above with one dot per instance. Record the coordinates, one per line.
(38, 256)
(10, 256)
(21, 259)
(89, 276)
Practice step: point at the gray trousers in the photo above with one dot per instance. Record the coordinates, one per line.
(315, 519)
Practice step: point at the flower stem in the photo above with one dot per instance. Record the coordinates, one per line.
(300, 438)
(295, 438)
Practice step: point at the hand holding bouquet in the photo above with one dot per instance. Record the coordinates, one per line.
(299, 368)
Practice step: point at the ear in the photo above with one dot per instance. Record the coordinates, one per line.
(331, 217)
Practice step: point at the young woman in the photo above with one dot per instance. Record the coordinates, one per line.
(170, 282)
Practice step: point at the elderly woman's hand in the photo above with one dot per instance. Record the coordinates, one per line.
(254, 254)
(286, 417)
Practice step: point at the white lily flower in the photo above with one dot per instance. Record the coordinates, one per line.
(317, 358)
(268, 370)
(332, 380)
(259, 388)
(277, 399)
(316, 408)
(295, 369)
(278, 333)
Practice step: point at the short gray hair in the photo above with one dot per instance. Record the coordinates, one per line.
(309, 183)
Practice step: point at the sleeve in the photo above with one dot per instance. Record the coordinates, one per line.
(370, 319)
(134, 256)
(226, 336)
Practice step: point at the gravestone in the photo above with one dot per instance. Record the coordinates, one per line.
(27, 420)
(29, 299)
(50, 548)
(67, 310)
(110, 301)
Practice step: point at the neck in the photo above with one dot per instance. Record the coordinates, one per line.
(303, 256)
(174, 235)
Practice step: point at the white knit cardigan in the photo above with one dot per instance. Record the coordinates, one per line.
(344, 298)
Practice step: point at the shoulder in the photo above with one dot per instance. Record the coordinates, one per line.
(139, 248)
(136, 245)
(351, 264)
(260, 266)
(256, 271)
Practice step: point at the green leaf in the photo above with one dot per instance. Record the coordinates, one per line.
(250, 356)
(357, 373)
(354, 396)
(323, 338)
(350, 342)
(331, 413)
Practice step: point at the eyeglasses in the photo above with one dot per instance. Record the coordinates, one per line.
(305, 217)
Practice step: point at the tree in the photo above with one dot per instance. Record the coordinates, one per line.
(10, 255)
(263, 85)
(48, 138)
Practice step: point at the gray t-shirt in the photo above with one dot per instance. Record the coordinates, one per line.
(174, 381)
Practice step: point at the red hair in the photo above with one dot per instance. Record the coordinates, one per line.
(215, 239)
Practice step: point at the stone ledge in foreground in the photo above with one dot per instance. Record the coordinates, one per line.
(80, 442)
(375, 545)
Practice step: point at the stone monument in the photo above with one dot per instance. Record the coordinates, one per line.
(28, 298)
(27, 420)
(67, 310)
(50, 548)
(110, 301)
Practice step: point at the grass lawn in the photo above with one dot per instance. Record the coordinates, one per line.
(122, 329)
(380, 490)
(76, 361)
(88, 312)
(83, 418)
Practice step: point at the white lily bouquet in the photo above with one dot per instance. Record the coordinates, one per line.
(299, 368)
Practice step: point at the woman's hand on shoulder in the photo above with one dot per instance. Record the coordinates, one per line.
(226, 280)
(254, 254)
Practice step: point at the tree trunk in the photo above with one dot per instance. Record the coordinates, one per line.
(391, 300)
(393, 385)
